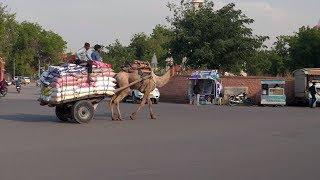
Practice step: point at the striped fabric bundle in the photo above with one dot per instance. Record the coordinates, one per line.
(70, 81)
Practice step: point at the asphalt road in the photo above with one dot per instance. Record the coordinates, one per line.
(185, 142)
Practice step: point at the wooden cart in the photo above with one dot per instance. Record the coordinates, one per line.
(81, 110)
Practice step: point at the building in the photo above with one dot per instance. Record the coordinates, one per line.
(197, 4)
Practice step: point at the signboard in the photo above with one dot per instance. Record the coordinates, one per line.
(276, 92)
(205, 75)
(273, 100)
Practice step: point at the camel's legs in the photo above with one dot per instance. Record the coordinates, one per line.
(111, 105)
(150, 109)
(141, 105)
(117, 101)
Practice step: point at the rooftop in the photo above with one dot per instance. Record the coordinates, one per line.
(310, 71)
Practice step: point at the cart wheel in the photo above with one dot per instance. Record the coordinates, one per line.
(63, 113)
(82, 111)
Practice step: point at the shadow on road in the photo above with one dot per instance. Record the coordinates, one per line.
(32, 118)
(29, 118)
(103, 115)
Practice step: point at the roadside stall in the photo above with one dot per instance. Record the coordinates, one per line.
(207, 84)
(273, 92)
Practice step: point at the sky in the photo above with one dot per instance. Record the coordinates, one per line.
(104, 21)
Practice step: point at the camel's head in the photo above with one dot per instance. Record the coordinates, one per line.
(170, 63)
(175, 70)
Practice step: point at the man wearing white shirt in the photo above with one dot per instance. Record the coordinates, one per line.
(84, 58)
(84, 54)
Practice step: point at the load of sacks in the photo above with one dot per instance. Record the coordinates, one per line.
(72, 81)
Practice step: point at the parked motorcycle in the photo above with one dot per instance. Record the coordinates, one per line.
(240, 99)
(3, 91)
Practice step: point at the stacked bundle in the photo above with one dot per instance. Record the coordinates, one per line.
(70, 81)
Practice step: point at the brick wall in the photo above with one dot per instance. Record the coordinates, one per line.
(254, 86)
(176, 90)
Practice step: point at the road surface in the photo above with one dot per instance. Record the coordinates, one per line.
(185, 142)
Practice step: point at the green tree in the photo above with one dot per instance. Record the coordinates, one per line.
(214, 39)
(259, 64)
(301, 50)
(139, 43)
(33, 45)
(266, 62)
(51, 47)
(118, 54)
(8, 27)
(304, 48)
(159, 44)
(142, 47)
(26, 43)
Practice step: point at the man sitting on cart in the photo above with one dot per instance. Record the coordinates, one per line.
(83, 55)
(84, 59)
(96, 54)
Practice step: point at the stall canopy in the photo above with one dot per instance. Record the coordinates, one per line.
(213, 75)
(308, 71)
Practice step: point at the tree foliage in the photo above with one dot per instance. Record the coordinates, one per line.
(118, 54)
(26, 43)
(266, 62)
(213, 39)
(304, 48)
(141, 47)
(210, 38)
(301, 50)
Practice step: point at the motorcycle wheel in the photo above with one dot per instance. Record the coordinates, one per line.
(4, 92)
(249, 102)
(232, 101)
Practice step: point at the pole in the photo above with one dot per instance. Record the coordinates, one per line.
(39, 66)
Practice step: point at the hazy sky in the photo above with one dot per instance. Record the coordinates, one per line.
(103, 21)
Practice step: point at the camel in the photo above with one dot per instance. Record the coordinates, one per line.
(146, 86)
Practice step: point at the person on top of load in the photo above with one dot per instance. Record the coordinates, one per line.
(84, 57)
(96, 54)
